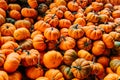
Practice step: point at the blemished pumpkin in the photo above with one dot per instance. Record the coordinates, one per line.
(52, 59)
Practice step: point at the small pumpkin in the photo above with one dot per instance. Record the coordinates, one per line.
(15, 14)
(67, 43)
(32, 3)
(112, 76)
(60, 2)
(68, 15)
(34, 33)
(64, 31)
(29, 57)
(13, 59)
(84, 43)
(2, 12)
(42, 78)
(51, 33)
(41, 25)
(75, 31)
(103, 18)
(3, 75)
(54, 74)
(12, 6)
(42, 8)
(88, 9)
(80, 21)
(82, 3)
(21, 34)
(69, 56)
(2, 20)
(2, 58)
(7, 29)
(81, 68)
(114, 64)
(64, 23)
(15, 76)
(115, 14)
(52, 59)
(115, 35)
(3, 5)
(97, 6)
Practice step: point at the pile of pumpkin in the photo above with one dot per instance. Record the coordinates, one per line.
(59, 39)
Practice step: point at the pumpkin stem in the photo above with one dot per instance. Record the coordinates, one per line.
(7, 27)
(32, 28)
(53, 16)
(28, 53)
(63, 38)
(38, 65)
(16, 49)
(52, 28)
(77, 67)
(76, 26)
(94, 58)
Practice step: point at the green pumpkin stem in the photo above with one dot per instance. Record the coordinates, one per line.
(94, 58)
(76, 26)
(63, 38)
(16, 49)
(77, 67)
(53, 16)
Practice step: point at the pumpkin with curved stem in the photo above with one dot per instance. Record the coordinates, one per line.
(21, 34)
(29, 57)
(3, 75)
(66, 72)
(2, 20)
(29, 12)
(66, 43)
(39, 42)
(22, 23)
(16, 75)
(98, 47)
(13, 59)
(80, 21)
(2, 58)
(64, 23)
(73, 5)
(2, 12)
(7, 29)
(75, 31)
(54, 74)
(32, 3)
(3, 5)
(84, 43)
(51, 33)
(52, 19)
(69, 56)
(68, 15)
(81, 68)
(52, 59)
(15, 14)
(108, 40)
(41, 25)
(12, 6)
(85, 54)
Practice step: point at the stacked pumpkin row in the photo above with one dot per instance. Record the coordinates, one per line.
(60, 40)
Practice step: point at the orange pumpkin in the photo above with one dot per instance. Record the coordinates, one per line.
(42, 78)
(112, 76)
(32, 3)
(80, 21)
(34, 33)
(3, 75)
(115, 35)
(64, 23)
(3, 5)
(82, 3)
(60, 2)
(7, 29)
(115, 14)
(73, 5)
(2, 12)
(15, 14)
(97, 6)
(2, 20)
(68, 15)
(2, 58)
(15, 76)
(13, 59)
(52, 59)
(12, 6)
(64, 31)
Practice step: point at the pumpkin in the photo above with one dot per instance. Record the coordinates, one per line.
(82, 3)
(75, 31)
(64, 31)
(41, 25)
(10, 20)
(73, 5)
(15, 76)
(34, 72)
(42, 8)
(88, 9)
(29, 57)
(32, 3)
(64, 23)
(114, 64)
(98, 47)
(31, 20)
(59, 13)
(108, 40)
(63, 8)
(12, 6)
(92, 17)
(81, 68)
(68, 15)
(85, 54)
(15, 14)
(2, 12)
(109, 70)
(34, 33)
(39, 42)
(115, 35)
(108, 5)
(66, 72)
(3, 5)
(84, 43)
(13, 59)
(52, 44)
(60, 2)
(97, 6)
(42, 78)
(2, 58)
(116, 2)
(115, 14)
(94, 33)
(21, 34)
(3, 75)
(67, 43)
(112, 76)
(29, 12)
(52, 19)
(52, 59)
(103, 18)
(5, 39)
(106, 11)
(104, 61)
(80, 21)
(79, 15)
(69, 56)
(54, 74)
(52, 5)
(2, 20)
(118, 70)
(51, 33)
(106, 27)
(22, 24)
(7, 29)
